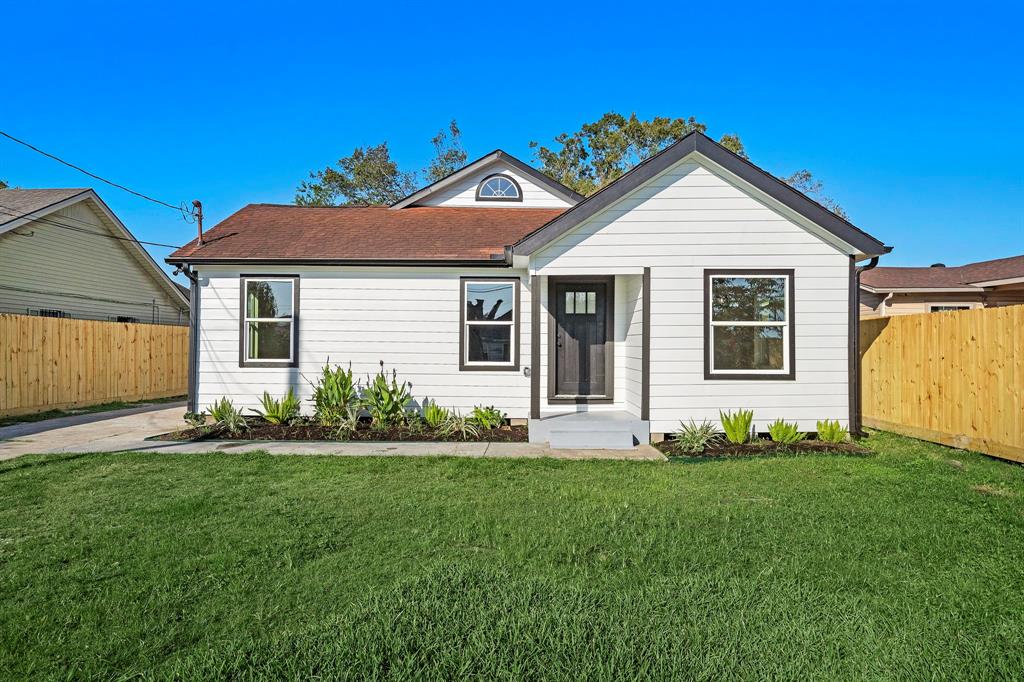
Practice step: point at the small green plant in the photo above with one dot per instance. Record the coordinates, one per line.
(737, 426)
(832, 431)
(487, 418)
(434, 415)
(693, 438)
(387, 400)
(335, 395)
(227, 416)
(346, 427)
(461, 427)
(196, 419)
(785, 432)
(284, 411)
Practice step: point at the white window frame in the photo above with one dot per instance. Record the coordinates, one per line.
(246, 360)
(786, 372)
(499, 176)
(513, 324)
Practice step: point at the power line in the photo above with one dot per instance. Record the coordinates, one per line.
(49, 221)
(85, 297)
(180, 208)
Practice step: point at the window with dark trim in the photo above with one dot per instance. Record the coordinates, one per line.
(268, 319)
(499, 187)
(48, 312)
(948, 307)
(748, 324)
(489, 323)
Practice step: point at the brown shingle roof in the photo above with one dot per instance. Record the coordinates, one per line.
(274, 231)
(944, 278)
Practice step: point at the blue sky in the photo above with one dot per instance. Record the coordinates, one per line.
(911, 115)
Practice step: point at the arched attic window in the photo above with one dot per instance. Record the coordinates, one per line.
(499, 187)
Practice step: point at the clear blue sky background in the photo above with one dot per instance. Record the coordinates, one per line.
(910, 115)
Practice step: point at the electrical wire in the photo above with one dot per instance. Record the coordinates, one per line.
(187, 214)
(50, 221)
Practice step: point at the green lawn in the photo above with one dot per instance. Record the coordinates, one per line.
(908, 563)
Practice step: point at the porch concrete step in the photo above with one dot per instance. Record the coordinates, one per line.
(607, 430)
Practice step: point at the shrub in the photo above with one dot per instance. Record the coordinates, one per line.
(785, 432)
(335, 395)
(460, 426)
(387, 400)
(832, 432)
(737, 426)
(225, 414)
(434, 415)
(693, 438)
(346, 427)
(196, 419)
(487, 418)
(284, 411)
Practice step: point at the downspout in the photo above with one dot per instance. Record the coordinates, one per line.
(193, 334)
(854, 336)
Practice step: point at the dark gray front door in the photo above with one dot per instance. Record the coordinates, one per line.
(582, 332)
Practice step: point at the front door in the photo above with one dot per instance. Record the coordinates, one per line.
(583, 329)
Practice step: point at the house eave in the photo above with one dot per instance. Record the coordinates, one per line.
(921, 290)
(500, 262)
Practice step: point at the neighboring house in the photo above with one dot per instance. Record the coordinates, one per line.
(63, 253)
(904, 291)
(694, 283)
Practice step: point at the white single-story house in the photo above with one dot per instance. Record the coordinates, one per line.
(694, 283)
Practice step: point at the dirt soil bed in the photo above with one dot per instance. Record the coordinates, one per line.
(764, 447)
(259, 430)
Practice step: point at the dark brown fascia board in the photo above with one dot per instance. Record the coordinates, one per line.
(744, 169)
(556, 187)
(500, 262)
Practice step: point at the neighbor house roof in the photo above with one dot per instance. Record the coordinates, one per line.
(842, 229)
(16, 203)
(23, 206)
(276, 232)
(969, 276)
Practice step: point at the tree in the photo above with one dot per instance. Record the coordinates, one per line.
(602, 151)
(804, 181)
(4, 185)
(367, 176)
(449, 154)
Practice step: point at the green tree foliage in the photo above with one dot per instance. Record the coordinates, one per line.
(367, 176)
(449, 154)
(602, 151)
(804, 181)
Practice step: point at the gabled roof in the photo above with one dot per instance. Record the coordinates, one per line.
(21, 206)
(843, 230)
(553, 186)
(422, 235)
(972, 276)
(15, 203)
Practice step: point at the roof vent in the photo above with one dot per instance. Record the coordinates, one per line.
(937, 265)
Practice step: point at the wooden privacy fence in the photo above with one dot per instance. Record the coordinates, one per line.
(955, 378)
(51, 363)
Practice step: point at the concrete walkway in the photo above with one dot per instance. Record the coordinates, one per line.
(127, 430)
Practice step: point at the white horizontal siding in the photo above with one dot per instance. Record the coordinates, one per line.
(408, 318)
(463, 192)
(689, 219)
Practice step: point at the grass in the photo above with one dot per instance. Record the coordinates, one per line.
(905, 563)
(88, 409)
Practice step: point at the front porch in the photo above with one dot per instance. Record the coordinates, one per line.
(590, 346)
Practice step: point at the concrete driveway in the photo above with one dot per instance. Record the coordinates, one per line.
(128, 429)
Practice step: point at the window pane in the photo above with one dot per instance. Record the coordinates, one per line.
(581, 302)
(748, 299)
(753, 348)
(268, 299)
(490, 301)
(489, 343)
(591, 302)
(269, 340)
(570, 302)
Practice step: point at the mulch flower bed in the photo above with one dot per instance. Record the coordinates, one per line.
(260, 430)
(764, 447)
